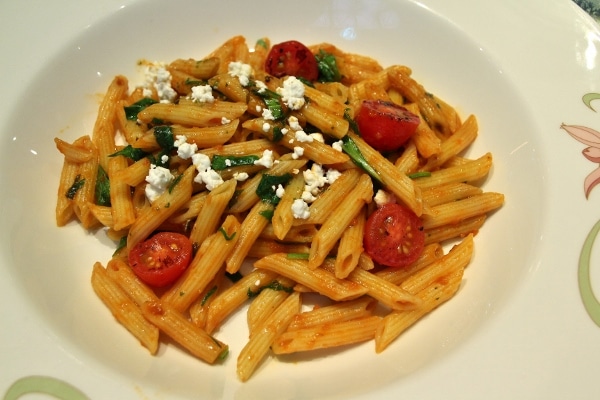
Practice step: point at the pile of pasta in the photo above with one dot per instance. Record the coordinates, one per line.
(305, 284)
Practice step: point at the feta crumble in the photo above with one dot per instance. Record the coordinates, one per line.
(338, 145)
(158, 179)
(241, 71)
(292, 93)
(298, 152)
(266, 160)
(382, 197)
(160, 78)
(185, 150)
(206, 174)
(225, 121)
(240, 176)
(202, 94)
(300, 209)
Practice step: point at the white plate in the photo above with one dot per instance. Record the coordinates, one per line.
(517, 329)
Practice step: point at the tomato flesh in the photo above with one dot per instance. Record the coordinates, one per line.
(384, 125)
(292, 58)
(394, 236)
(161, 259)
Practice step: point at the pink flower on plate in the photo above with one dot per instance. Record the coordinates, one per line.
(591, 138)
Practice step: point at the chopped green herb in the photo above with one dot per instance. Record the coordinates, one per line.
(268, 185)
(102, 188)
(78, 183)
(132, 111)
(272, 101)
(224, 354)
(122, 244)
(262, 43)
(194, 82)
(220, 162)
(268, 214)
(208, 294)
(164, 137)
(305, 81)
(274, 285)
(328, 69)
(350, 148)
(174, 182)
(351, 121)
(277, 134)
(420, 174)
(235, 277)
(226, 235)
(130, 152)
(297, 256)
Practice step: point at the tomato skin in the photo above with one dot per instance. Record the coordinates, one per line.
(292, 58)
(161, 259)
(394, 236)
(384, 125)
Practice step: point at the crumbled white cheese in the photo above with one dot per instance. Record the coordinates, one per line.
(240, 176)
(318, 137)
(202, 94)
(266, 127)
(292, 93)
(315, 178)
(266, 160)
(298, 152)
(382, 197)
(185, 150)
(158, 179)
(332, 175)
(279, 191)
(294, 124)
(162, 83)
(258, 109)
(241, 70)
(337, 145)
(206, 174)
(164, 158)
(262, 87)
(268, 114)
(225, 121)
(300, 209)
(303, 137)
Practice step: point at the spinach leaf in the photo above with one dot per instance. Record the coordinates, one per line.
(131, 112)
(102, 188)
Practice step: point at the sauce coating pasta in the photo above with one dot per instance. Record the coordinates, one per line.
(272, 183)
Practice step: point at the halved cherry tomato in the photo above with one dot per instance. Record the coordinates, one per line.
(161, 259)
(394, 236)
(292, 58)
(386, 126)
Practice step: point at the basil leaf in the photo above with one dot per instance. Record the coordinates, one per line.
(267, 186)
(350, 148)
(164, 137)
(132, 111)
(220, 162)
(328, 69)
(130, 152)
(78, 183)
(102, 188)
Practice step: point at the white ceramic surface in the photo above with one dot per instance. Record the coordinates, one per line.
(518, 327)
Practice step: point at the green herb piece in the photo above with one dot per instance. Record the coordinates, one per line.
(78, 183)
(420, 174)
(164, 137)
(208, 294)
(122, 244)
(350, 148)
(297, 256)
(220, 162)
(130, 152)
(268, 185)
(235, 277)
(305, 81)
(174, 182)
(194, 82)
(351, 121)
(328, 69)
(132, 111)
(277, 134)
(226, 235)
(272, 101)
(268, 214)
(223, 354)
(274, 285)
(102, 188)
(262, 43)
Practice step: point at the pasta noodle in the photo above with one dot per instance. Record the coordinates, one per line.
(274, 197)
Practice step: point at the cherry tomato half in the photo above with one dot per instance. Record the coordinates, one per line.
(394, 236)
(161, 259)
(385, 125)
(292, 58)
